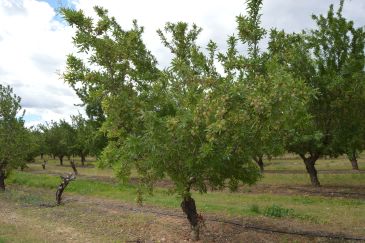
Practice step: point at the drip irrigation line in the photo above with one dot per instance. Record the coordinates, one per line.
(255, 227)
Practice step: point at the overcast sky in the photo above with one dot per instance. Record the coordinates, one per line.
(34, 41)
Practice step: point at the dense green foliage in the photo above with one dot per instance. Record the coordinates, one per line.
(330, 59)
(15, 144)
(60, 139)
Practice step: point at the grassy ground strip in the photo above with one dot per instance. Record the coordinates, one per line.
(340, 214)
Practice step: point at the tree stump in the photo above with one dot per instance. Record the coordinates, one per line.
(65, 180)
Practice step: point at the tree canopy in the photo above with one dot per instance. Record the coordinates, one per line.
(330, 59)
(14, 138)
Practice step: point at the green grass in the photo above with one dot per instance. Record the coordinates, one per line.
(314, 209)
(293, 162)
(303, 179)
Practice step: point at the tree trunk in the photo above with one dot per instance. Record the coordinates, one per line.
(41, 155)
(311, 169)
(353, 160)
(260, 162)
(189, 208)
(61, 160)
(73, 166)
(62, 186)
(83, 160)
(2, 180)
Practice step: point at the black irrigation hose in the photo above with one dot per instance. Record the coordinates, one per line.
(327, 192)
(257, 228)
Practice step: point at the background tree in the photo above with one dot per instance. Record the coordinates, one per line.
(39, 140)
(330, 59)
(83, 132)
(14, 140)
(60, 138)
(34, 144)
(278, 98)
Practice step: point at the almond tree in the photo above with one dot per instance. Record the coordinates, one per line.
(60, 139)
(330, 59)
(14, 139)
(278, 98)
(187, 122)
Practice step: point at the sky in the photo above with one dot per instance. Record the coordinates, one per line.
(34, 39)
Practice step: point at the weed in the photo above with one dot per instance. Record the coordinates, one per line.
(255, 208)
(277, 211)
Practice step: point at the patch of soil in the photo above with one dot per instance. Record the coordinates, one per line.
(92, 219)
(356, 192)
(218, 229)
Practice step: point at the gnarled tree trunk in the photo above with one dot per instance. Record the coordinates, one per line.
(61, 159)
(353, 159)
(189, 208)
(44, 164)
(260, 162)
(2, 180)
(311, 169)
(83, 160)
(62, 186)
(73, 166)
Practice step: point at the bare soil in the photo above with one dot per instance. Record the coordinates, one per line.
(92, 219)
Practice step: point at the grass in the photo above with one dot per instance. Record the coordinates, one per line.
(336, 214)
(303, 179)
(277, 211)
(293, 162)
(314, 209)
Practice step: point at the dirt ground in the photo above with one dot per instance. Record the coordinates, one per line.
(92, 219)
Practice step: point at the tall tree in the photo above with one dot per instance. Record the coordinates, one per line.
(278, 98)
(331, 60)
(14, 140)
(187, 122)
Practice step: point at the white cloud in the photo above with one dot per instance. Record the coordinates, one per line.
(34, 44)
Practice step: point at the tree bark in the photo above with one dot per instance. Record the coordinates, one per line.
(61, 160)
(41, 155)
(62, 186)
(83, 160)
(260, 162)
(73, 166)
(311, 169)
(353, 161)
(2, 180)
(44, 164)
(189, 208)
